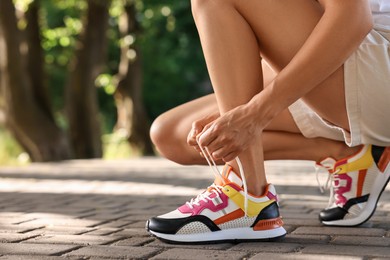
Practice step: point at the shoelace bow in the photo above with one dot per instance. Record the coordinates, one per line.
(217, 189)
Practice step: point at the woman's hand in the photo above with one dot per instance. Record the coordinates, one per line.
(197, 128)
(230, 134)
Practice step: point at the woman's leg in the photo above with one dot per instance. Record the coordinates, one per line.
(232, 34)
(280, 139)
(169, 131)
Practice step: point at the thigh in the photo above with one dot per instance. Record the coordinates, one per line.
(179, 120)
(282, 27)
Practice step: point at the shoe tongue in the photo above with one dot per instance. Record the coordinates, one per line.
(327, 163)
(229, 175)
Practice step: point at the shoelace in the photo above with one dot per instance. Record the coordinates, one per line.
(325, 187)
(330, 183)
(218, 174)
(215, 189)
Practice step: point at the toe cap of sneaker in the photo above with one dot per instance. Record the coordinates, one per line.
(332, 214)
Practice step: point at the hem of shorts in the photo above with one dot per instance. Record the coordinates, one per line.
(352, 101)
(301, 119)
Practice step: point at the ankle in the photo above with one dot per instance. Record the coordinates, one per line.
(255, 184)
(256, 190)
(346, 151)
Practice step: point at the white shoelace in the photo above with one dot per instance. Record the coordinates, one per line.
(205, 196)
(218, 174)
(326, 186)
(329, 184)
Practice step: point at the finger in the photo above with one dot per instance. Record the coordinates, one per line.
(191, 138)
(206, 136)
(215, 149)
(197, 127)
(230, 157)
(222, 153)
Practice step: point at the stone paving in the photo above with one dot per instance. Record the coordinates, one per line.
(97, 210)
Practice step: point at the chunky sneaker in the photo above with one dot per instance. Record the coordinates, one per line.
(223, 212)
(357, 184)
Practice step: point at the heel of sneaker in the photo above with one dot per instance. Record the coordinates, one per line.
(384, 160)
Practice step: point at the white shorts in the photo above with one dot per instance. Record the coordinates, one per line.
(367, 91)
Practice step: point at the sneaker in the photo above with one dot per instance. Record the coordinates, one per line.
(357, 184)
(222, 213)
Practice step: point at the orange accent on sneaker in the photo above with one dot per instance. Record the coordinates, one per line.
(223, 180)
(268, 224)
(384, 160)
(229, 217)
(361, 178)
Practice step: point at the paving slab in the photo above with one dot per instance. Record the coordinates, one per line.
(347, 250)
(38, 257)
(115, 252)
(35, 249)
(96, 210)
(196, 254)
(300, 256)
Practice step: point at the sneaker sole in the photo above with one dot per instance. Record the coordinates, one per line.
(222, 236)
(379, 186)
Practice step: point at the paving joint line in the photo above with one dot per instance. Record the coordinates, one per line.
(76, 247)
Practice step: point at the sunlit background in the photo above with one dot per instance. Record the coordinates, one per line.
(150, 48)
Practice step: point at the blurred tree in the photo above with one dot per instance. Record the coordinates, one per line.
(35, 59)
(153, 62)
(30, 123)
(132, 118)
(81, 97)
(174, 66)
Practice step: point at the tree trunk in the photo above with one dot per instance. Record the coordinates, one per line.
(128, 96)
(30, 125)
(35, 60)
(2, 80)
(81, 95)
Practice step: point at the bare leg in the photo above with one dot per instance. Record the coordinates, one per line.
(280, 140)
(233, 52)
(233, 32)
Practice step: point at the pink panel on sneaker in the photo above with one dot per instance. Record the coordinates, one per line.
(272, 196)
(197, 209)
(340, 199)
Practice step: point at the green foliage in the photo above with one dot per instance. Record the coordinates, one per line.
(60, 26)
(10, 151)
(173, 64)
(116, 146)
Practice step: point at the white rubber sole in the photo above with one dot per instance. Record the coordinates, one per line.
(379, 186)
(234, 234)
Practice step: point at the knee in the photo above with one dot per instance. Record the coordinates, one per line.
(169, 141)
(159, 133)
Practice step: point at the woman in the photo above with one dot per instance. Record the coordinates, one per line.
(325, 99)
